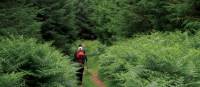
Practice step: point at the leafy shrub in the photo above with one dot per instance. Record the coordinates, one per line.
(11, 80)
(157, 60)
(26, 63)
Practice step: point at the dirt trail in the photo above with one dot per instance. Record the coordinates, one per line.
(96, 80)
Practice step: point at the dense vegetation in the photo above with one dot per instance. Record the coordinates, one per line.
(64, 21)
(157, 60)
(153, 42)
(26, 63)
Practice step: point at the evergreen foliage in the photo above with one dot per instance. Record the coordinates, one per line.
(17, 18)
(64, 21)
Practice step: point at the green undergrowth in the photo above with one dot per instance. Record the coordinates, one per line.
(87, 81)
(27, 63)
(156, 60)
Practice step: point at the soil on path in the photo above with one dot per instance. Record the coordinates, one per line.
(96, 80)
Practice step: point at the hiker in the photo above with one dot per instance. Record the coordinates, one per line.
(81, 58)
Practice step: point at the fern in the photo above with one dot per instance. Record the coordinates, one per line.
(40, 65)
(160, 60)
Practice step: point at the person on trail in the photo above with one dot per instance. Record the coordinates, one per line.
(81, 58)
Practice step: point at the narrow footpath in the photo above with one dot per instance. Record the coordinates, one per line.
(91, 79)
(96, 80)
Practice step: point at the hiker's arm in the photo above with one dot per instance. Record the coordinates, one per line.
(86, 58)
